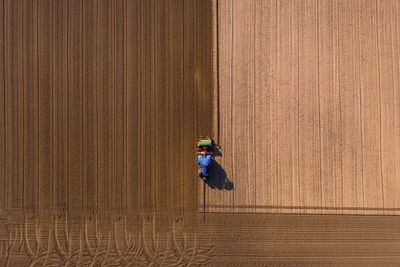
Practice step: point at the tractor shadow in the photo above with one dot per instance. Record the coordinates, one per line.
(217, 178)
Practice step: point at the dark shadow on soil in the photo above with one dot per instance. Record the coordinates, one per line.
(217, 178)
(216, 151)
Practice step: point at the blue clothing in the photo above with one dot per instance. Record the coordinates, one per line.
(204, 163)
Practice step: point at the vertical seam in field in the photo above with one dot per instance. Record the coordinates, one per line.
(171, 105)
(265, 144)
(393, 93)
(250, 121)
(125, 109)
(217, 74)
(276, 102)
(183, 104)
(152, 85)
(154, 205)
(38, 101)
(291, 28)
(334, 87)
(113, 49)
(4, 104)
(16, 119)
(83, 179)
(398, 60)
(232, 54)
(380, 101)
(331, 26)
(393, 153)
(139, 109)
(197, 94)
(396, 107)
(13, 118)
(319, 110)
(68, 141)
(154, 123)
(359, 9)
(23, 106)
(53, 110)
(340, 102)
(254, 102)
(21, 68)
(170, 99)
(298, 107)
(97, 105)
(196, 62)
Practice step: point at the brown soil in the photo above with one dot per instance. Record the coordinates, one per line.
(308, 107)
(101, 103)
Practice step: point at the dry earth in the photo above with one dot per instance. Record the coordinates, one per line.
(101, 103)
(309, 106)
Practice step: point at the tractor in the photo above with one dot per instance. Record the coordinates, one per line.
(205, 149)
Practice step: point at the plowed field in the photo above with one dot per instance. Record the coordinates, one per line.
(101, 103)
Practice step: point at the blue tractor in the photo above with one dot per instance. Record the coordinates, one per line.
(205, 149)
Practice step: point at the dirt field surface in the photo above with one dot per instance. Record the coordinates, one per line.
(101, 103)
(309, 106)
(217, 240)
